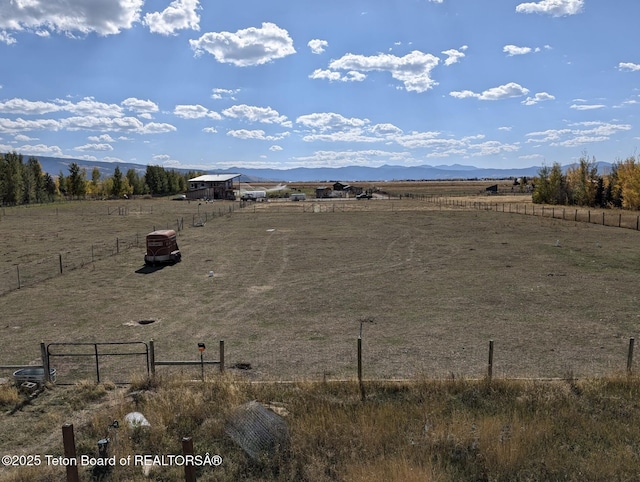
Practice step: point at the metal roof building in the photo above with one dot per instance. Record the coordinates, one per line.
(212, 186)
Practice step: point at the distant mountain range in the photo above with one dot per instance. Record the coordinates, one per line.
(55, 165)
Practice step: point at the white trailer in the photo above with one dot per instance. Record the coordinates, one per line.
(254, 196)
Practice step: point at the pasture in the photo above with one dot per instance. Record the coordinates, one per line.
(292, 281)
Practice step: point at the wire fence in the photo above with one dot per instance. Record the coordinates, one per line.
(37, 271)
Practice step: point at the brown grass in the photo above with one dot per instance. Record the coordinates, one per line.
(291, 282)
(455, 430)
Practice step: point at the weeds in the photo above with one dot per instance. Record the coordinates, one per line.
(438, 430)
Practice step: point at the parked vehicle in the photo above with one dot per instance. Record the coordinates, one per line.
(162, 247)
(254, 196)
(298, 196)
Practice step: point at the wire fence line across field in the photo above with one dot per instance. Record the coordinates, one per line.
(124, 362)
(31, 273)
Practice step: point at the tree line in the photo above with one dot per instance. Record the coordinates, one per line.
(582, 185)
(26, 183)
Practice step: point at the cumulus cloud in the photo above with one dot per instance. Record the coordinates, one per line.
(101, 138)
(251, 113)
(595, 132)
(505, 91)
(104, 17)
(333, 76)
(539, 97)
(218, 94)
(512, 50)
(556, 8)
(179, 15)
(247, 47)
(256, 134)
(324, 121)
(197, 111)
(453, 55)
(94, 147)
(413, 70)
(628, 67)
(317, 46)
(140, 106)
(6, 38)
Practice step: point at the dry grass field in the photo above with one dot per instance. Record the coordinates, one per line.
(291, 283)
(292, 280)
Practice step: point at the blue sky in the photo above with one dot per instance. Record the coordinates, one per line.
(282, 84)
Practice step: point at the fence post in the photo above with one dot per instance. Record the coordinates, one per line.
(221, 356)
(490, 366)
(630, 354)
(360, 384)
(117, 246)
(45, 362)
(18, 270)
(152, 359)
(69, 443)
(95, 348)
(189, 468)
(60, 261)
(603, 218)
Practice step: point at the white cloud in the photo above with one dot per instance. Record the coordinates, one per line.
(255, 134)
(317, 46)
(505, 91)
(6, 38)
(221, 93)
(587, 106)
(512, 50)
(195, 112)
(275, 148)
(210, 130)
(23, 138)
(101, 138)
(250, 113)
(556, 8)
(41, 150)
(179, 15)
(596, 132)
(539, 97)
(413, 70)
(104, 17)
(453, 55)
(628, 67)
(247, 47)
(94, 147)
(27, 107)
(140, 106)
(333, 76)
(325, 121)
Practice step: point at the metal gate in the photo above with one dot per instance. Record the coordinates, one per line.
(101, 354)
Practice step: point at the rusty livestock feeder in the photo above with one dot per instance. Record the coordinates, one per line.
(162, 247)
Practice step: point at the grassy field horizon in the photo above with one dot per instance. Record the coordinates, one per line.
(291, 282)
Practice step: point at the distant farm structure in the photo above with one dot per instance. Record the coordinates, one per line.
(212, 186)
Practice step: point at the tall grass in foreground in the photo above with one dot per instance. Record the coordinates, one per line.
(427, 430)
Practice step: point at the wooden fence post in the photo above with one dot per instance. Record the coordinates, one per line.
(189, 468)
(152, 359)
(630, 355)
(45, 362)
(221, 356)
(60, 260)
(360, 384)
(69, 443)
(490, 366)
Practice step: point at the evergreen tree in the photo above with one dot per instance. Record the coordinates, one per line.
(76, 184)
(117, 187)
